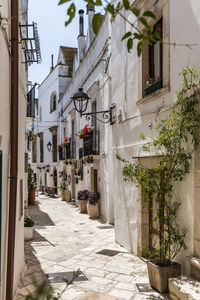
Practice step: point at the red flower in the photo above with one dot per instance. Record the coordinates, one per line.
(147, 75)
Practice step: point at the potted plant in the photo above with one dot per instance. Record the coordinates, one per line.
(31, 187)
(158, 182)
(152, 84)
(84, 132)
(82, 200)
(67, 141)
(92, 206)
(28, 228)
(67, 194)
(63, 187)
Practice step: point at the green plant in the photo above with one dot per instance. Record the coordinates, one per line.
(177, 139)
(31, 182)
(63, 186)
(43, 291)
(118, 8)
(28, 222)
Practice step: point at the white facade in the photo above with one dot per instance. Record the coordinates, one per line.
(137, 114)
(120, 79)
(5, 115)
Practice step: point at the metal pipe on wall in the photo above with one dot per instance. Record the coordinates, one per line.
(14, 148)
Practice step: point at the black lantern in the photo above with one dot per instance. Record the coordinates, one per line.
(80, 100)
(49, 146)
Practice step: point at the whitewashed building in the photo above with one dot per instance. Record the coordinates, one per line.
(13, 112)
(110, 75)
(137, 113)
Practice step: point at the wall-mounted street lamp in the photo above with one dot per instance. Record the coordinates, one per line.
(81, 99)
(49, 146)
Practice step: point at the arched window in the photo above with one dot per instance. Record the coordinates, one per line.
(53, 102)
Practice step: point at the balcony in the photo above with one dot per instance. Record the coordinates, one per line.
(91, 144)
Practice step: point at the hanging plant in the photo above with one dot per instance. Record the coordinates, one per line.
(84, 132)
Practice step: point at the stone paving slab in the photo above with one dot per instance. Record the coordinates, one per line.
(65, 241)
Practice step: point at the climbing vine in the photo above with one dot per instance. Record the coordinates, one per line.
(176, 141)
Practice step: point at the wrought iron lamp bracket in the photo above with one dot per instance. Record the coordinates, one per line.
(107, 115)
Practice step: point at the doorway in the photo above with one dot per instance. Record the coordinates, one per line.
(55, 181)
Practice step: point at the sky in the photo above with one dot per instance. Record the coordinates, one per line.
(52, 32)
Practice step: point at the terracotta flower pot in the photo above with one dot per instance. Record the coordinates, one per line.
(159, 275)
(63, 195)
(82, 205)
(93, 210)
(68, 195)
(31, 197)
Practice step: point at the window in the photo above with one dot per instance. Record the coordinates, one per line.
(94, 120)
(34, 150)
(54, 147)
(53, 102)
(154, 67)
(41, 148)
(155, 55)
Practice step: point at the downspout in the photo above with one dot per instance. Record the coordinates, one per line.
(13, 150)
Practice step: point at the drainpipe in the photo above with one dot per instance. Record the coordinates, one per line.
(13, 150)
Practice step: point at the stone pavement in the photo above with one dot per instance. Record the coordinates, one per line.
(65, 241)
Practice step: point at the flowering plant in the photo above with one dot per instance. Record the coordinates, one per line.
(93, 198)
(151, 80)
(83, 195)
(66, 142)
(85, 130)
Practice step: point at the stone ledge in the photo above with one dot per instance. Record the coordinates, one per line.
(184, 288)
(195, 268)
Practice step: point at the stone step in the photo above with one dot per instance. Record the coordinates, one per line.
(195, 268)
(184, 288)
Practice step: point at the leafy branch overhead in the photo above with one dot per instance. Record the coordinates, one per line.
(120, 8)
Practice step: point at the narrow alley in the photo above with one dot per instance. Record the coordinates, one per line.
(65, 240)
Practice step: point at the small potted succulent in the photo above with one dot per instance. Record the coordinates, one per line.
(82, 200)
(28, 228)
(92, 206)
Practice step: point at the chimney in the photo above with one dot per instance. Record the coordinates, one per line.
(52, 67)
(81, 37)
(90, 13)
(81, 22)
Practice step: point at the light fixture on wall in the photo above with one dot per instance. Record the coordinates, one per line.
(81, 99)
(49, 146)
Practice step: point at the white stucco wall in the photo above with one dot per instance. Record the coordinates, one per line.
(5, 147)
(95, 81)
(136, 119)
